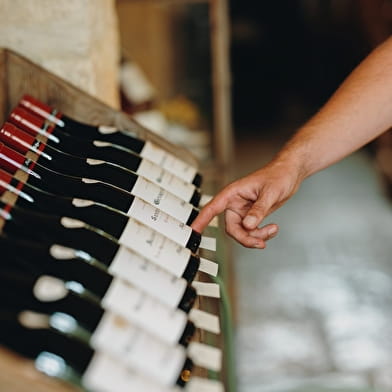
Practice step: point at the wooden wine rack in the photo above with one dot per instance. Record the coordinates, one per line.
(19, 76)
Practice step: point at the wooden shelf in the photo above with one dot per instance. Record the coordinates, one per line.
(19, 76)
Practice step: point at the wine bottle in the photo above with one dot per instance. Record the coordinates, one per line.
(84, 188)
(75, 265)
(112, 221)
(158, 249)
(105, 330)
(127, 139)
(98, 153)
(20, 287)
(52, 339)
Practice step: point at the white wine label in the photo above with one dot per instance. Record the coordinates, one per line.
(214, 222)
(205, 199)
(99, 143)
(145, 312)
(107, 130)
(161, 198)
(94, 162)
(70, 223)
(208, 243)
(105, 374)
(208, 267)
(160, 221)
(89, 181)
(148, 277)
(48, 289)
(205, 356)
(138, 350)
(203, 320)
(32, 319)
(182, 189)
(82, 203)
(62, 253)
(155, 247)
(168, 161)
(207, 289)
(198, 384)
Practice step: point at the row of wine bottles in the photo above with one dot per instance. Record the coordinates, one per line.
(98, 257)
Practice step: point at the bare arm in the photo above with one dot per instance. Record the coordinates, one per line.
(359, 111)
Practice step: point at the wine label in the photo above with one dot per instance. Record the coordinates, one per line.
(138, 350)
(208, 267)
(70, 223)
(205, 356)
(148, 277)
(198, 384)
(168, 161)
(205, 199)
(155, 247)
(34, 320)
(214, 222)
(48, 288)
(207, 289)
(94, 162)
(107, 130)
(145, 312)
(62, 253)
(208, 243)
(89, 181)
(203, 320)
(158, 220)
(182, 189)
(161, 198)
(99, 143)
(105, 374)
(80, 203)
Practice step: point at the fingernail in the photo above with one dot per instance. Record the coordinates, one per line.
(258, 246)
(250, 222)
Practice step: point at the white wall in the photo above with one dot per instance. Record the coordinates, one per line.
(75, 39)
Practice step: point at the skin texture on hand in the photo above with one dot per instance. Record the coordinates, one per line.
(247, 201)
(358, 112)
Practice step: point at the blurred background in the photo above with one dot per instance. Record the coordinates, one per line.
(231, 80)
(313, 312)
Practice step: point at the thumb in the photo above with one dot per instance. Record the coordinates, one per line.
(256, 214)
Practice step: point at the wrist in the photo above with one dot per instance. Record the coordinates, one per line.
(294, 162)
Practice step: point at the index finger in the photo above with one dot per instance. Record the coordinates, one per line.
(213, 208)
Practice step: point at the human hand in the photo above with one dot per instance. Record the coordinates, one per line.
(247, 201)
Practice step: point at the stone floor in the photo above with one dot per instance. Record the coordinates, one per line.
(314, 309)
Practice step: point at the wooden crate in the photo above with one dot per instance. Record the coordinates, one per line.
(19, 76)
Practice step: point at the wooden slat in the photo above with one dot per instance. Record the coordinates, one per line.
(221, 82)
(3, 82)
(25, 77)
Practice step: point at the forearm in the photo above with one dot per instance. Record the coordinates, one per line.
(359, 111)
